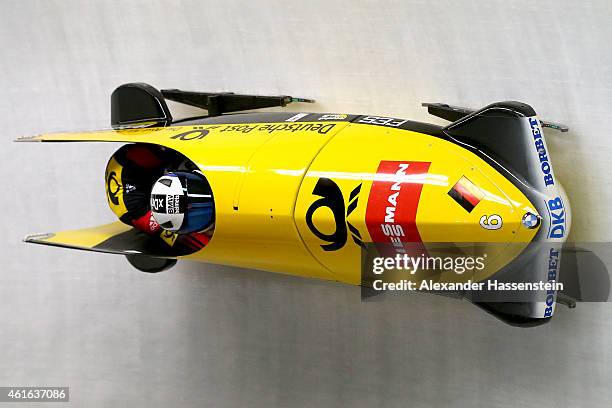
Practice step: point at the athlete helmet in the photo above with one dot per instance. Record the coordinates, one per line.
(182, 202)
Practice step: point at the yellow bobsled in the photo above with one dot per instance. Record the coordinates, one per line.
(303, 193)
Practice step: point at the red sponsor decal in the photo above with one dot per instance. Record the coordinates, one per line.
(392, 206)
(146, 223)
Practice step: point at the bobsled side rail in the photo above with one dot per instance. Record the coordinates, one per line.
(114, 238)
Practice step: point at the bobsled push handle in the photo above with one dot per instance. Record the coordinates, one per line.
(141, 105)
(447, 112)
(218, 103)
(454, 113)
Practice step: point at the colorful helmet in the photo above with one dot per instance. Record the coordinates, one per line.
(182, 202)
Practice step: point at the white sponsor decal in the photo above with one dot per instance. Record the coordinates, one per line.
(333, 116)
(296, 117)
(157, 203)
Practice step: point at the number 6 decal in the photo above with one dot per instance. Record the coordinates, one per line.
(491, 222)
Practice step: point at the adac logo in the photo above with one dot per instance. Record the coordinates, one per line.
(332, 198)
(113, 187)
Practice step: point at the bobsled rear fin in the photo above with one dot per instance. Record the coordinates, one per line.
(138, 105)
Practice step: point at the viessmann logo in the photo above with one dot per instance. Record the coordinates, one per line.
(393, 203)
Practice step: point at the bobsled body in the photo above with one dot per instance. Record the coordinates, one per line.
(301, 193)
(286, 193)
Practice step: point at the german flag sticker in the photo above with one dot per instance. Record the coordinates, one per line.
(466, 194)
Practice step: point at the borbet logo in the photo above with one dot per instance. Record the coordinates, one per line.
(553, 268)
(541, 150)
(393, 203)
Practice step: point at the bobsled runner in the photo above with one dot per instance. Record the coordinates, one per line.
(304, 193)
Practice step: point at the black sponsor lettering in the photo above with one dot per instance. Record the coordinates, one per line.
(321, 128)
(191, 135)
(238, 128)
(331, 197)
(113, 187)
